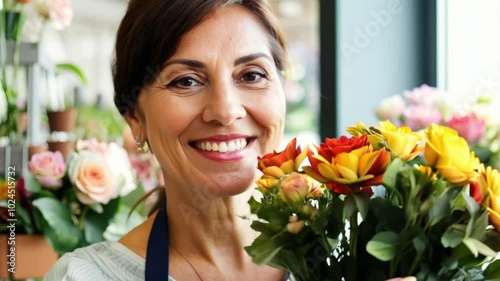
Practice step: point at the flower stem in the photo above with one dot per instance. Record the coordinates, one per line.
(82, 216)
(353, 241)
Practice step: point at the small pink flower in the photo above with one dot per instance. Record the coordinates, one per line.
(418, 117)
(143, 166)
(93, 178)
(48, 168)
(470, 127)
(423, 95)
(92, 145)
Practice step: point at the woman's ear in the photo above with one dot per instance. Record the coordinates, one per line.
(135, 121)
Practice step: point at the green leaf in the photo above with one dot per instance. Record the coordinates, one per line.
(383, 245)
(480, 225)
(94, 227)
(471, 204)
(96, 223)
(31, 183)
(392, 173)
(362, 203)
(419, 244)
(73, 68)
(24, 218)
(492, 272)
(263, 250)
(349, 207)
(59, 229)
(439, 209)
(453, 236)
(477, 247)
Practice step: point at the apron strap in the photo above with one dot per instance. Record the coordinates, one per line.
(157, 255)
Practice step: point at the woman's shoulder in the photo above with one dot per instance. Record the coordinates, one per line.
(99, 261)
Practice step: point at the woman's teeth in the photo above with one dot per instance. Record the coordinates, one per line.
(222, 146)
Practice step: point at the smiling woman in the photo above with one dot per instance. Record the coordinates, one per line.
(201, 83)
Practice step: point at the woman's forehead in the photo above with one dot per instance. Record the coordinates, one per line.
(230, 30)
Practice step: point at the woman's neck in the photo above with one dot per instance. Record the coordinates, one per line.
(210, 226)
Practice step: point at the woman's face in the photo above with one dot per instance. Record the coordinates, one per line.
(217, 104)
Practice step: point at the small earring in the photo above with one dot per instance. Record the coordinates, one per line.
(140, 145)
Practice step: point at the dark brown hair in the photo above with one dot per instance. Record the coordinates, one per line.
(151, 31)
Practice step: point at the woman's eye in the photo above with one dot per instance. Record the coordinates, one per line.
(184, 82)
(253, 76)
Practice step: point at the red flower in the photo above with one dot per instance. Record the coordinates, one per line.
(332, 147)
(475, 192)
(346, 189)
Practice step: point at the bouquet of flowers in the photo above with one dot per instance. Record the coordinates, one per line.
(85, 200)
(384, 202)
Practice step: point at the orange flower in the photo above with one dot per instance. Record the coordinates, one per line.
(279, 164)
(361, 167)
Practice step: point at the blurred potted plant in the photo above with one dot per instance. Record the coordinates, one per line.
(63, 121)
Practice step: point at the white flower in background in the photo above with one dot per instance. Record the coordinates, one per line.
(122, 223)
(58, 12)
(390, 108)
(118, 160)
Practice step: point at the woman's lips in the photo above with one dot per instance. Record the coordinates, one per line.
(222, 148)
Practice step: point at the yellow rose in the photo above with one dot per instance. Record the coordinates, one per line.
(266, 182)
(450, 155)
(402, 142)
(489, 182)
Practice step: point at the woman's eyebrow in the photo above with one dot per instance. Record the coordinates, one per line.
(250, 57)
(191, 63)
(199, 64)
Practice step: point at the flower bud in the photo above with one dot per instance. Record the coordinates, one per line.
(295, 225)
(295, 188)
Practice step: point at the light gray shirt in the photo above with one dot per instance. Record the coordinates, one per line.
(99, 262)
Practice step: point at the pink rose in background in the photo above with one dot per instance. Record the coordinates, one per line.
(470, 127)
(390, 108)
(93, 178)
(418, 117)
(423, 95)
(48, 168)
(92, 145)
(143, 166)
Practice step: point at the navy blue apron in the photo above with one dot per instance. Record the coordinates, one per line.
(157, 255)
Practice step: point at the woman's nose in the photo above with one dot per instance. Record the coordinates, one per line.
(223, 104)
